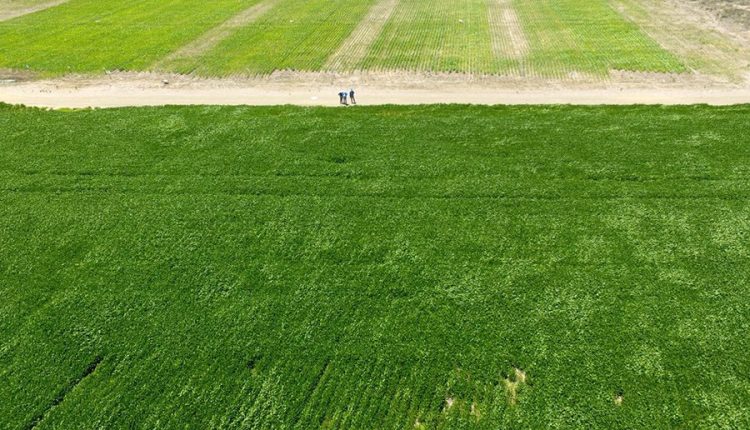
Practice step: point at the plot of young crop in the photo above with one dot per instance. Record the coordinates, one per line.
(98, 35)
(298, 35)
(449, 267)
(428, 35)
(587, 36)
(548, 38)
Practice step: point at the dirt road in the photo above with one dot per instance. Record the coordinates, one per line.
(151, 90)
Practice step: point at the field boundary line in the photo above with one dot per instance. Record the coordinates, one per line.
(6, 15)
(216, 35)
(355, 48)
(508, 37)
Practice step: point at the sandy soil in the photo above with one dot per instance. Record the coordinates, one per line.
(149, 89)
(735, 13)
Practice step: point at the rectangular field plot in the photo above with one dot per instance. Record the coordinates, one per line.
(587, 36)
(547, 38)
(452, 36)
(295, 35)
(97, 35)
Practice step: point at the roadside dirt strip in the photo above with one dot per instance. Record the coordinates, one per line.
(354, 49)
(150, 91)
(216, 35)
(10, 10)
(508, 39)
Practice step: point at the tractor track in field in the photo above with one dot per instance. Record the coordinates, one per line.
(508, 38)
(319, 89)
(216, 35)
(355, 48)
(60, 397)
(10, 12)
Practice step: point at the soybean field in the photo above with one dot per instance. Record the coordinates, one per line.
(433, 267)
(549, 39)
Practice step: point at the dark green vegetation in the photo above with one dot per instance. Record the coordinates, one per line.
(375, 268)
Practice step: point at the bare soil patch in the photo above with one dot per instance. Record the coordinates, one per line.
(9, 76)
(732, 13)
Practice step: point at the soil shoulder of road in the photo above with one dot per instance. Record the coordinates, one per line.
(150, 89)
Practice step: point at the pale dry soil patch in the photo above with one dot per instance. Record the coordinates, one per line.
(10, 9)
(320, 89)
(732, 13)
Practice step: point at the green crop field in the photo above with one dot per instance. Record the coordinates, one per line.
(428, 267)
(587, 36)
(506, 37)
(98, 35)
(293, 35)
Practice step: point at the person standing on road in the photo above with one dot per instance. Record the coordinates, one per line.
(341, 97)
(351, 96)
(345, 94)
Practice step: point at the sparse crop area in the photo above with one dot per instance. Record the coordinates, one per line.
(435, 267)
(548, 39)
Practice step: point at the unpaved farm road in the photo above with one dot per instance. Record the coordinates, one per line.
(107, 92)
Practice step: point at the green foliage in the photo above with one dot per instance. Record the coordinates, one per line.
(296, 35)
(563, 36)
(449, 36)
(375, 268)
(559, 37)
(584, 36)
(99, 35)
